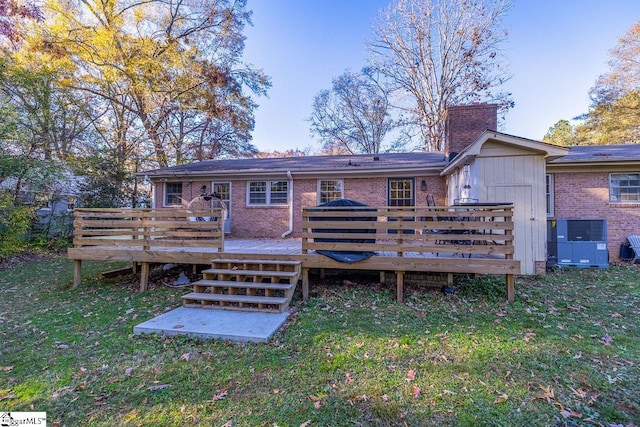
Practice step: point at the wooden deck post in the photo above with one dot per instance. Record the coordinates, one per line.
(144, 276)
(77, 272)
(511, 292)
(400, 286)
(221, 244)
(305, 283)
(510, 279)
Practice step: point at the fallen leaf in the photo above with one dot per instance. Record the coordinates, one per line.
(606, 339)
(570, 413)
(579, 392)
(385, 397)
(8, 396)
(547, 394)
(306, 423)
(411, 375)
(185, 357)
(317, 404)
(228, 424)
(159, 387)
(178, 326)
(128, 371)
(449, 392)
(7, 368)
(220, 394)
(501, 398)
(415, 391)
(131, 310)
(348, 378)
(62, 346)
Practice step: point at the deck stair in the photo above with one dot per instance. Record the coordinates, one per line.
(246, 285)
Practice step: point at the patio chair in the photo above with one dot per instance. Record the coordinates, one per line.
(435, 218)
(634, 242)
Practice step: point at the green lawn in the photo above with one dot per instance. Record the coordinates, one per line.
(567, 352)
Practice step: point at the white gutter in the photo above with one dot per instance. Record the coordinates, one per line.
(290, 230)
(432, 170)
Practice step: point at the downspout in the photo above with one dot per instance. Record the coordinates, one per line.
(290, 230)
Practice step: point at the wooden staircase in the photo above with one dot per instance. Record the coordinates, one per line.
(246, 285)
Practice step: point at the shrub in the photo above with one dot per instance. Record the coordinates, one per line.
(15, 223)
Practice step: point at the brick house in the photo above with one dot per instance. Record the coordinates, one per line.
(545, 182)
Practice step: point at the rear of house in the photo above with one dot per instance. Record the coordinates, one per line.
(545, 183)
(265, 197)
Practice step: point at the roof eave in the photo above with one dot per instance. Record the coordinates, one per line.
(473, 150)
(600, 164)
(354, 171)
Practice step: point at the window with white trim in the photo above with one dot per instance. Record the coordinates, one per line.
(330, 190)
(624, 188)
(549, 193)
(262, 193)
(173, 194)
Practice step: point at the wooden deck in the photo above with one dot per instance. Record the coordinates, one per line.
(404, 239)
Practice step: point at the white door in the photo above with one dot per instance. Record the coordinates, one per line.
(223, 190)
(523, 218)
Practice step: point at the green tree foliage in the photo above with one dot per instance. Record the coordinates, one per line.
(107, 184)
(614, 116)
(175, 67)
(125, 86)
(49, 119)
(438, 53)
(561, 133)
(353, 116)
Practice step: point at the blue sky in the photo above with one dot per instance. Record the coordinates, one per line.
(556, 49)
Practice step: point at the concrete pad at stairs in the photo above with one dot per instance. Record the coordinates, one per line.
(237, 326)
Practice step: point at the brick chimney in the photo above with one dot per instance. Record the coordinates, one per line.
(465, 123)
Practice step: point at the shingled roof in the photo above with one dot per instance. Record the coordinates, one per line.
(308, 165)
(364, 165)
(600, 154)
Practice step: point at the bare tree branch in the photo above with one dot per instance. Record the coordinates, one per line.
(437, 53)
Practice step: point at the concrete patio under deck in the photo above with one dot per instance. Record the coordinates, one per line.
(236, 326)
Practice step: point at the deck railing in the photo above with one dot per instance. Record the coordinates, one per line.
(410, 231)
(144, 228)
